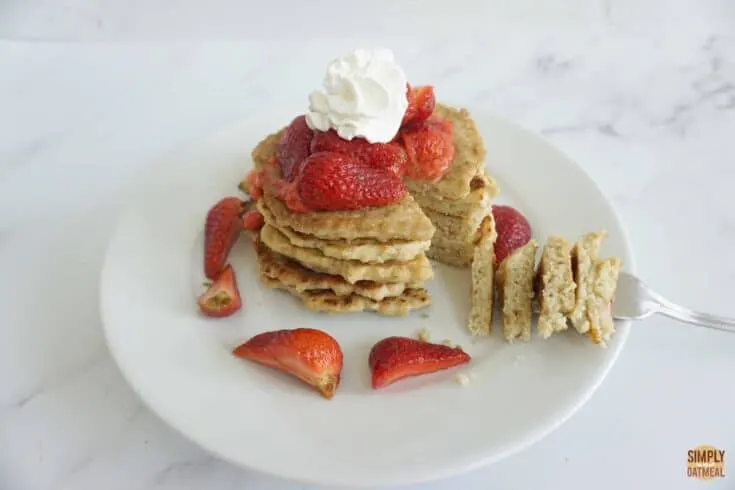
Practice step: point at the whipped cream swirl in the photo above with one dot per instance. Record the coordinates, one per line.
(364, 96)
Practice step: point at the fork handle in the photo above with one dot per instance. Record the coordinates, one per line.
(696, 318)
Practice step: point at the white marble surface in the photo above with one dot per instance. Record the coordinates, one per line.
(649, 112)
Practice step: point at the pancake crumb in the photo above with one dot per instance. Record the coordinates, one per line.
(424, 335)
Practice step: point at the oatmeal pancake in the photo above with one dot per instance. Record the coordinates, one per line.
(416, 270)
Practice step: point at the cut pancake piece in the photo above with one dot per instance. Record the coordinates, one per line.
(402, 221)
(481, 311)
(596, 283)
(416, 270)
(514, 281)
(555, 284)
(469, 158)
(294, 276)
(327, 301)
(363, 250)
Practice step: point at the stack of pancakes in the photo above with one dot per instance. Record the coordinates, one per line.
(375, 259)
(371, 259)
(461, 201)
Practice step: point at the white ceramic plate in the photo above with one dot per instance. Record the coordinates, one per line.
(416, 430)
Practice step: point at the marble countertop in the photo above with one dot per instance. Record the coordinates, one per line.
(649, 113)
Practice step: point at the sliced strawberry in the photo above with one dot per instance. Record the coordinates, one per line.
(311, 355)
(513, 231)
(332, 181)
(221, 230)
(430, 149)
(254, 184)
(395, 358)
(421, 104)
(288, 193)
(222, 298)
(390, 155)
(252, 220)
(294, 146)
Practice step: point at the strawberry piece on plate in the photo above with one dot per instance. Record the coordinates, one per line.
(421, 104)
(513, 231)
(294, 147)
(332, 181)
(390, 155)
(221, 229)
(222, 298)
(430, 149)
(396, 358)
(311, 355)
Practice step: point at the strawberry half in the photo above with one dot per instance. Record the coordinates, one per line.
(332, 181)
(311, 355)
(222, 298)
(396, 358)
(295, 145)
(513, 231)
(430, 149)
(421, 104)
(254, 184)
(389, 155)
(221, 229)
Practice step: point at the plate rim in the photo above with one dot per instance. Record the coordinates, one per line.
(142, 177)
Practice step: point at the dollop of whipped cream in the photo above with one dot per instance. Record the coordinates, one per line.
(364, 96)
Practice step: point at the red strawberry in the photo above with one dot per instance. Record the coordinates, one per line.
(221, 230)
(311, 355)
(222, 298)
(252, 220)
(254, 184)
(395, 358)
(390, 155)
(430, 149)
(332, 181)
(294, 146)
(513, 231)
(421, 103)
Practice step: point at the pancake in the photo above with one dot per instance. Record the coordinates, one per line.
(327, 301)
(293, 276)
(455, 228)
(555, 284)
(483, 190)
(596, 283)
(514, 281)
(483, 277)
(416, 270)
(362, 249)
(459, 253)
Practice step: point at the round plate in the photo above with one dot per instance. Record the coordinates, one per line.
(416, 430)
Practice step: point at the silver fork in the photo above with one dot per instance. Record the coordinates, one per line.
(634, 300)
